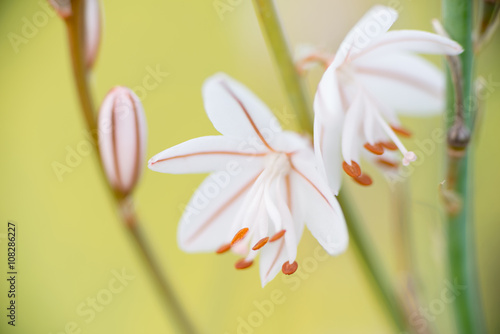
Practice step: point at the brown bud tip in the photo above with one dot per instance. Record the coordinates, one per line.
(458, 137)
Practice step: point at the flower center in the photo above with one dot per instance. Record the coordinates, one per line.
(265, 215)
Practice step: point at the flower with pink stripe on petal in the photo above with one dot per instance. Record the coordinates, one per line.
(374, 73)
(264, 185)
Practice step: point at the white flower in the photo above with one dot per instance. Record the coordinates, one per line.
(373, 74)
(265, 185)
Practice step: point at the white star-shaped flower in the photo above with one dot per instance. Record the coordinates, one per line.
(264, 187)
(374, 74)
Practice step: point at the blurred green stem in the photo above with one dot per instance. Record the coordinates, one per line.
(276, 42)
(458, 23)
(297, 96)
(180, 322)
(75, 27)
(371, 264)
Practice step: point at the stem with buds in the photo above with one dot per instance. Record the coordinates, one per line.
(458, 23)
(75, 24)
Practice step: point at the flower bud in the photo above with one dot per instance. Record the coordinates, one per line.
(122, 138)
(93, 26)
(62, 7)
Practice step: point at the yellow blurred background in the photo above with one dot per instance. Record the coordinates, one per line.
(70, 243)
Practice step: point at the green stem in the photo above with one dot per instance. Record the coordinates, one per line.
(180, 322)
(297, 96)
(458, 23)
(75, 27)
(369, 258)
(276, 42)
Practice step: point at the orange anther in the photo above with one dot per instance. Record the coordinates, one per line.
(223, 248)
(289, 268)
(363, 179)
(277, 235)
(389, 145)
(243, 264)
(401, 131)
(240, 235)
(377, 149)
(352, 170)
(260, 243)
(387, 163)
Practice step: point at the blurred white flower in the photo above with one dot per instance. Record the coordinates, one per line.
(373, 74)
(122, 138)
(264, 187)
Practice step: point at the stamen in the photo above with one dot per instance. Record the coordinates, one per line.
(389, 145)
(352, 170)
(277, 236)
(289, 268)
(377, 149)
(243, 264)
(364, 180)
(387, 163)
(223, 248)
(409, 157)
(260, 243)
(401, 131)
(240, 235)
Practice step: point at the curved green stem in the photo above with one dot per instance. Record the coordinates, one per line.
(276, 42)
(458, 23)
(372, 266)
(75, 27)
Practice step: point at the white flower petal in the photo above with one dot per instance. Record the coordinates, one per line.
(207, 219)
(369, 28)
(205, 154)
(288, 141)
(272, 257)
(235, 111)
(322, 213)
(351, 130)
(328, 120)
(405, 82)
(412, 41)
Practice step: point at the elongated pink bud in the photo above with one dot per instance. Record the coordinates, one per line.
(122, 138)
(62, 7)
(93, 27)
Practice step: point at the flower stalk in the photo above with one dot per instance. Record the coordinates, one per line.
(370, 261)
(276, 42)
(458, 23)
(297, 96)
(74, 18)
